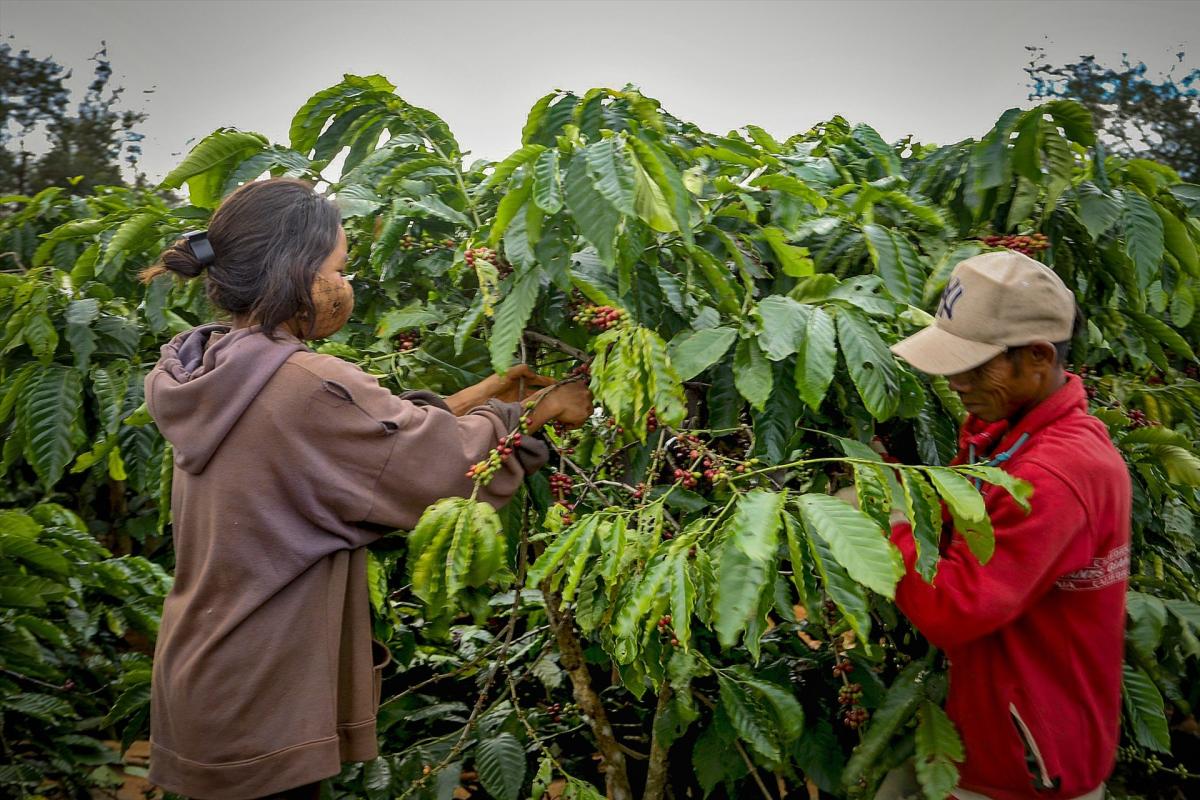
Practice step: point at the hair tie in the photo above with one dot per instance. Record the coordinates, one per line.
(200, 246)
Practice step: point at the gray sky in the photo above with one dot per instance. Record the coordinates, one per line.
(939, 70)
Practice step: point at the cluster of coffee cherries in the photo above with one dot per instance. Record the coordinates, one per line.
(555, 711)
(702, 462)
(651, 421)
(849, 697)
(561, 485)
(485, 470)
(600, 318)
(409, 340)
(1138, 419)
(425, 242)
(1029, 245)
(612, 423)
(664, 628)
(489, 256)
(1085, 374)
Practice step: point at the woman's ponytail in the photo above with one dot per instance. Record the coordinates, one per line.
(178, 258)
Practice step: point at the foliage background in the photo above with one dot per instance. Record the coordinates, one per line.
(761, 281)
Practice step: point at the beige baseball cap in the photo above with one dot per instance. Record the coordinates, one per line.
(992, 302)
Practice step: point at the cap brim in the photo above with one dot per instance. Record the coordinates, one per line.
(937, 352)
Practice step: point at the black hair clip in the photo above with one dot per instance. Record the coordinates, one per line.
(201, 248)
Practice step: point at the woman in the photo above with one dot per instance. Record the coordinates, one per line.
(287, 463)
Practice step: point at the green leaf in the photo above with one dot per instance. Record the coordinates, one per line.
(1182, 466)
(1026, 152)
(756, 522)
(547, 187)
(793, 260)
(649, 202)
(1144, 707)
(816, 357)
(924, 512)
(1074, 118)
(16, 524)
(1163, 333)
(1147, 618)
(669, 181)
(36, 555)
(596, 218)
(753, 725)
(501, 764)
(870, 363)
(1098, 211)
(632, 374)
(783, 324)
(49, 413)
(855, 540)
(413, 315)
(788, 713)
(40, 335)
(938, 748)
(989, 160)
(692, 352)
(1143, 237)
(897, 263)
(611, 172)
(902, 699)
(752, 373)
(205, 166)
(510, 165)
(741, 580)
(967, 509)
(512, 314)
(789, 184)
(511, 203)
(131, 234)
(841, 588)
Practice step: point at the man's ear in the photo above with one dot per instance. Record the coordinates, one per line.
(1041, 354)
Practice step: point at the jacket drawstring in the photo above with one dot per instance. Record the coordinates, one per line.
(999, 459)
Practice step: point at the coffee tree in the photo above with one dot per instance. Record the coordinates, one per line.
(677, 604)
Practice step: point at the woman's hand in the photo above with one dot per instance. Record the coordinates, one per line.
(569, 404)
(517, 384)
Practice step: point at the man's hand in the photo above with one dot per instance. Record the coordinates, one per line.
(849, 495)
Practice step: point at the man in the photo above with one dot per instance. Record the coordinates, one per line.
(1035, 636)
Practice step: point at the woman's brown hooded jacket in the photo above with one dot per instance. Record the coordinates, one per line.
(287, 463)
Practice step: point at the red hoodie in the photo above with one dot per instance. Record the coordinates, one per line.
(1035, 636)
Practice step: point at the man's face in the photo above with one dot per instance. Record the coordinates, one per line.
(1005, 387)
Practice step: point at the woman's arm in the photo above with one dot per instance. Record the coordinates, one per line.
(513, 386)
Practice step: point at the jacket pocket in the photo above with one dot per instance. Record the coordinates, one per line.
(380, 658)
(1042, 765)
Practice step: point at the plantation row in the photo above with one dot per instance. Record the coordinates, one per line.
(679, 592)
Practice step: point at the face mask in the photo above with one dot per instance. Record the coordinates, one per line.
(333, 301)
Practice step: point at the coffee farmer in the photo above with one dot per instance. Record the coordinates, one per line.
(287, 464)
(1035, 636)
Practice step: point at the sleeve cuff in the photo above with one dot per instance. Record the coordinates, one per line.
(422, 397)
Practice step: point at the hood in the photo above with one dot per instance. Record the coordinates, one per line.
(205, 380)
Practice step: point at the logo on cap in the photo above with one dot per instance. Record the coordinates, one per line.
(954, 292)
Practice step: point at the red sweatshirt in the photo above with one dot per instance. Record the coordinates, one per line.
(1035, 637)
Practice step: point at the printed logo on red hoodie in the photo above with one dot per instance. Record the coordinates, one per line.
(1035, 637)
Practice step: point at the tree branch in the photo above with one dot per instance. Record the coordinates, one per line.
(656, 775)
(571, 658)
(558, 345)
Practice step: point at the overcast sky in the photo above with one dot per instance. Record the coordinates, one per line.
(939, 70)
